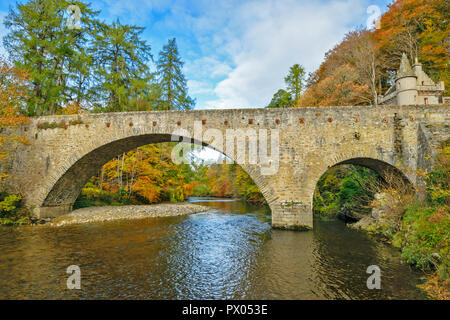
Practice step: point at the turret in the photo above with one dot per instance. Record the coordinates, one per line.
(406, 82)
(417, 66)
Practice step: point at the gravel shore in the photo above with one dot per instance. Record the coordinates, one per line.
(109, 213)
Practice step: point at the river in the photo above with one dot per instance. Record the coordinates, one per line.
(228, 252)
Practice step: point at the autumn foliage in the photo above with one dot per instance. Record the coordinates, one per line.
(363, 65)
(339, 89)
(143, 175)
(147, 175)
(13, 93)
(420, 29)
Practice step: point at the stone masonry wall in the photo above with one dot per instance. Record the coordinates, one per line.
(65, 151)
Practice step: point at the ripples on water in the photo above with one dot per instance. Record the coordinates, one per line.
(228, 252)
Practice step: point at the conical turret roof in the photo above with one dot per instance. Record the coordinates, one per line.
(405, 69)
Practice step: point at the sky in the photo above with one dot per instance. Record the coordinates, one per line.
(237, 53)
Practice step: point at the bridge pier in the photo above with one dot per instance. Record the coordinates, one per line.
(292, 215)
(51, 212)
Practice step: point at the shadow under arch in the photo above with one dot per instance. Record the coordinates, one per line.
(385, 170)
(67, 188)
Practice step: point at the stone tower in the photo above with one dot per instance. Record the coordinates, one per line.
(412, 86)
(405, 83)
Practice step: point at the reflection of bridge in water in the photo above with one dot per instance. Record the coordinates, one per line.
(65, 151)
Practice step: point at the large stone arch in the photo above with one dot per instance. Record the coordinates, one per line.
(63, 188)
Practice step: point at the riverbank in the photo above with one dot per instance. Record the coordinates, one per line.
(422, 236)
(110, 213)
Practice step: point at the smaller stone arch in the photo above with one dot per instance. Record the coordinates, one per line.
(384, 169)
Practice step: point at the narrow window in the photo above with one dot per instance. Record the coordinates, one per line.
(425, 100)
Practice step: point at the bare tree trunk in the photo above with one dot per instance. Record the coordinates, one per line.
(100, 182)
(133, 172)
(121, 172)
(374, 80)
(118, 172)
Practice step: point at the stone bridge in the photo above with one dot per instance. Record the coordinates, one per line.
(65, 151)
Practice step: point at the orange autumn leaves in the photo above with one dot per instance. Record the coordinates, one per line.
(230, 180)
(13, 93)
(339, 89)
(146, 175)
(363, 65)
(419, 28)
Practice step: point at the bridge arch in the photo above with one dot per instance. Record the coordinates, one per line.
(65, 186)
(383, 168)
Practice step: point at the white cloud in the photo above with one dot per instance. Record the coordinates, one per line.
(207, 67)
(266, 37)
(238, 52)
(200, 87)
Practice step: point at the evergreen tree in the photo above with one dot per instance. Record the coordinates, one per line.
(171, 79)
(295, 81)
(40, 42)
(122, 76)
(281, 99)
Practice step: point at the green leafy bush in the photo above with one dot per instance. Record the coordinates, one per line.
(438, 180)
(11, 210)
(344, 189)
(424, 238)
(10, 204)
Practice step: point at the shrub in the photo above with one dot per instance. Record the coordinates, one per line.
(201, 190)
(438, 179)
(9, 205)
(11, 210)
(424, 238)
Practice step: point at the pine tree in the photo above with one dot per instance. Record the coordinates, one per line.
(122, 74)
(295, 81)
(171, 79)
(40, 42)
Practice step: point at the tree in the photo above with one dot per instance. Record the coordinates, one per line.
(171, 79)
(366, 61)
(122, 75)
(419, 28)
(358, 51)
(295, 81)
(14, 91)
(339, 89)
(40, 42)
(281, 99)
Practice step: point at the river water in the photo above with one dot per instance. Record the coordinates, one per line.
(228, 252)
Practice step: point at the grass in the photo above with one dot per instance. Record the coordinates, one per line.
(61, 124)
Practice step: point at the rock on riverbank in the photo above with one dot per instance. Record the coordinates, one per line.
(109, 213)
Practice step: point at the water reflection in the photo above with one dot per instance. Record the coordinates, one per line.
(228, 252)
